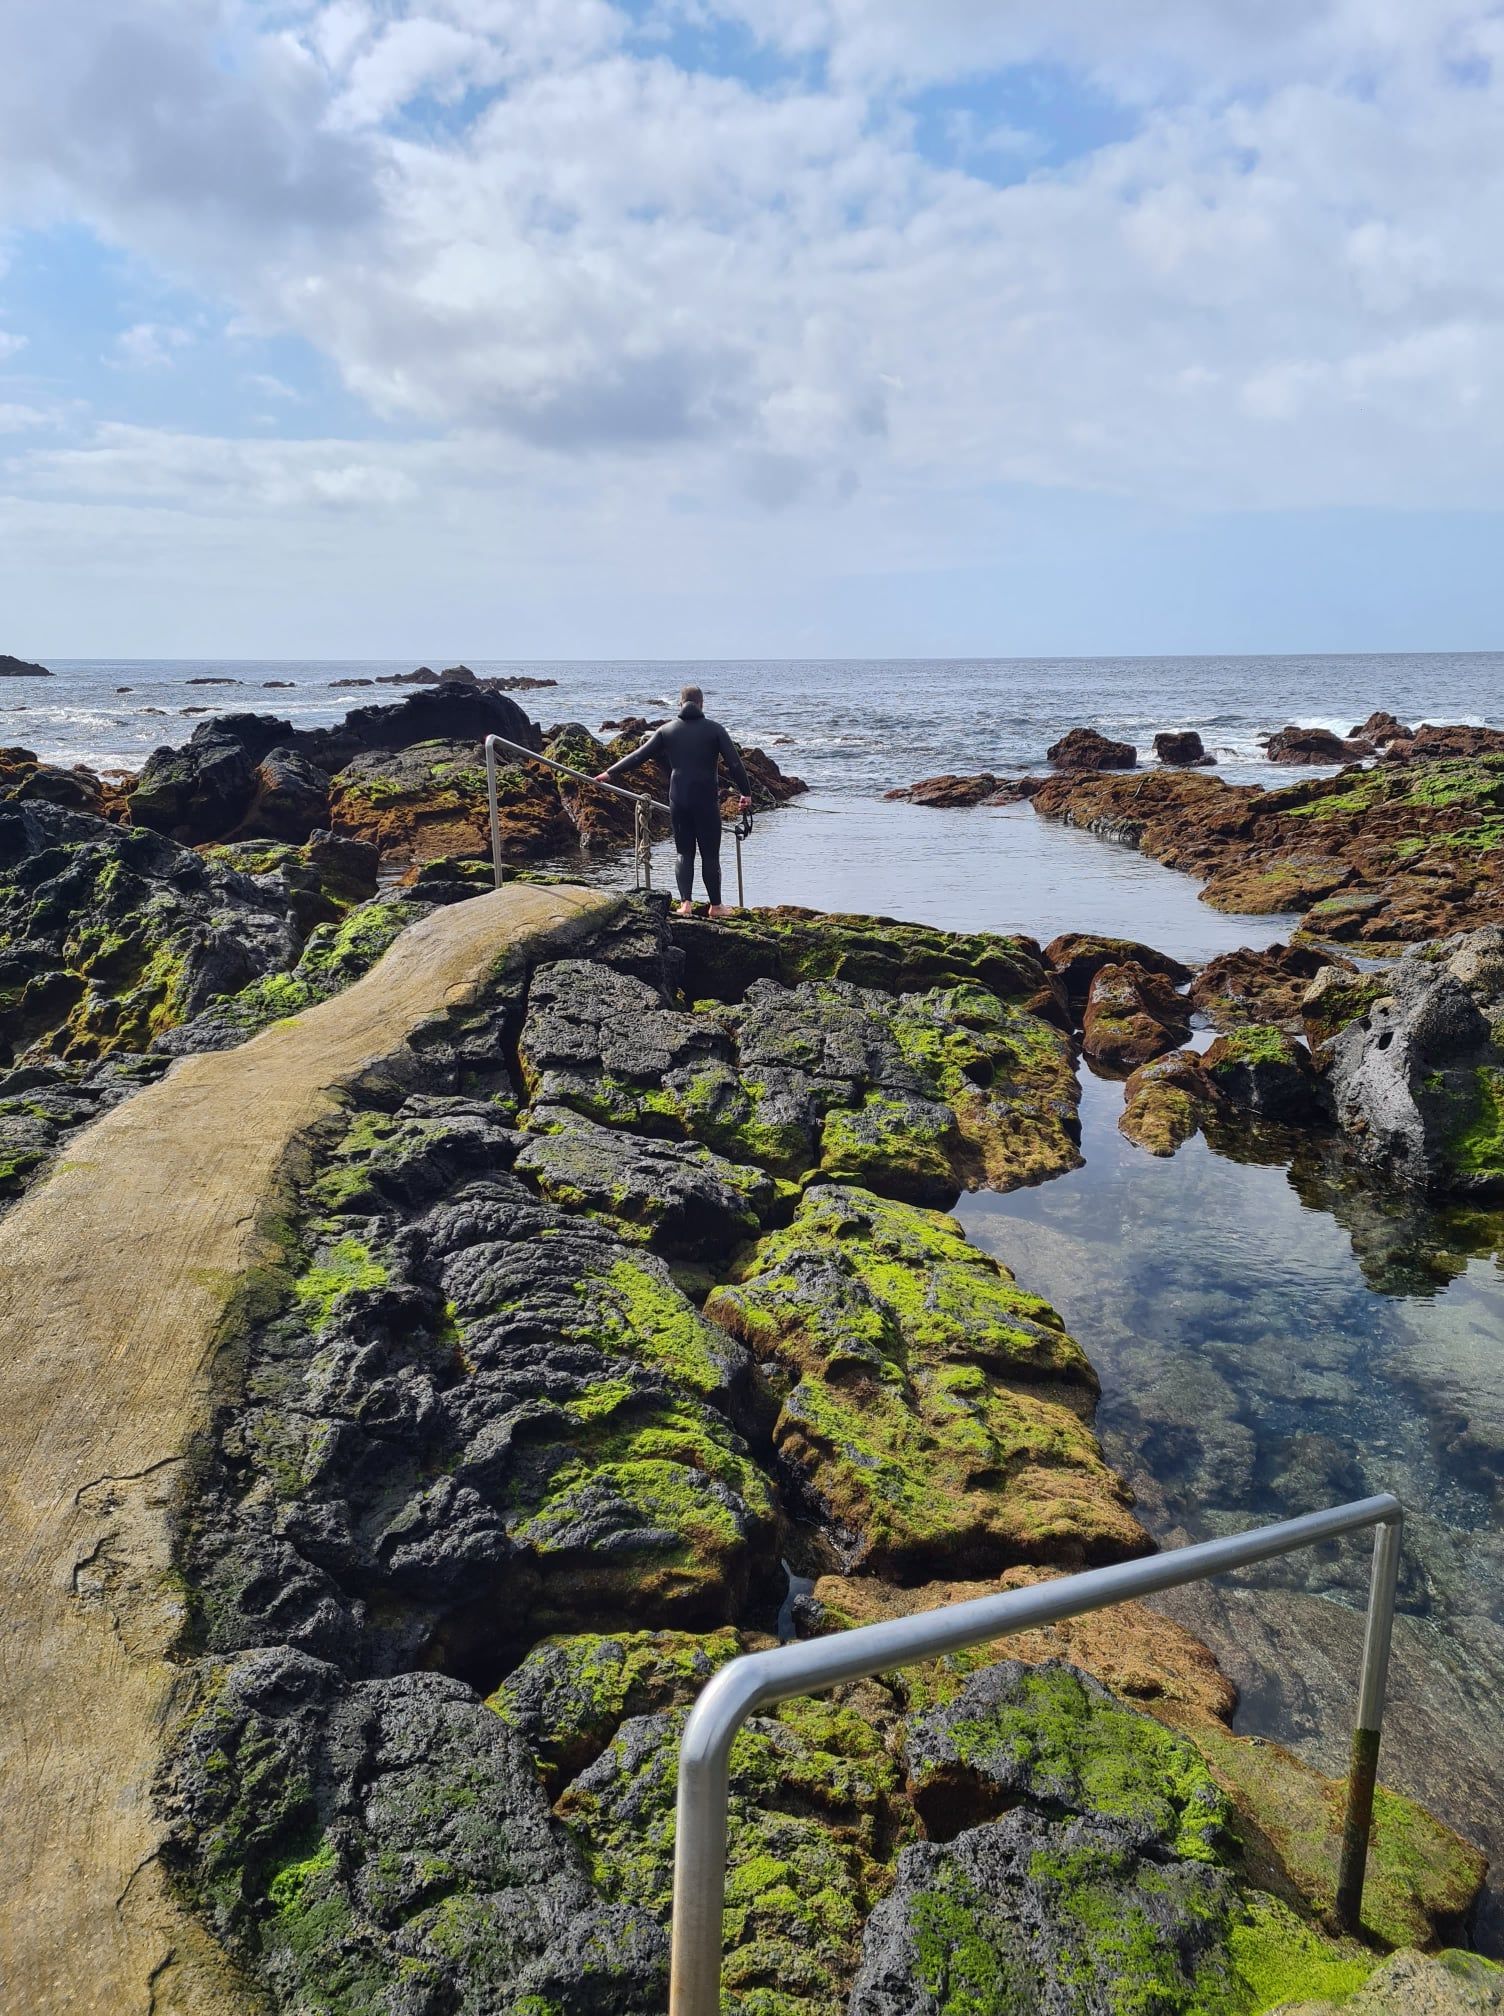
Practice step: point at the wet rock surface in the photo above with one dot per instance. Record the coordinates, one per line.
(1131, 1015)
(1314, 745)
(1086, 749)
(1183, 748)
(1372, 858)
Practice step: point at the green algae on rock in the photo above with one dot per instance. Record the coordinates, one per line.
(936, 1413)
(917, 1096)
(816, 1813)
(1453, 1983)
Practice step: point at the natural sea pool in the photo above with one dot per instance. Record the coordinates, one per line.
(1271, 1335)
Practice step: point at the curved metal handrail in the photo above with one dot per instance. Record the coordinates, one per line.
(758, 1678)
(640, 799)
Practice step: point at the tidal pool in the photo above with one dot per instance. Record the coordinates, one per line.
(1002, 869)
(1272, 1334)
(1273, 1337)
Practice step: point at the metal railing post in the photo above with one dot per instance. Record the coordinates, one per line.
(813, 1665)
(741, 893)
(1363, 1771)
(491, 742)
(643, 803)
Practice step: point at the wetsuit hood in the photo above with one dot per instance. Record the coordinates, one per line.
(691, 711)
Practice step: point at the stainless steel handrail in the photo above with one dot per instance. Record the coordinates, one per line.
(752, 1682)
(638, 798)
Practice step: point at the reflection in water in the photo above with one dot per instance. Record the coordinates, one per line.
(985, 870)
(1273, 1337)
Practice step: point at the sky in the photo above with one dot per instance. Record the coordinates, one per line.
(736, 328)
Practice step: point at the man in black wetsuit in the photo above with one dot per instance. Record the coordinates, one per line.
(692, 748)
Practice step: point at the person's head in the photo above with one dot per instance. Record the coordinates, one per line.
(691, 696)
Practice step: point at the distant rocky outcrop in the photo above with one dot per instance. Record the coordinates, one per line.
(1314, 745)
(1395, 852)
(1183, 747)
(983, 789)
(21, 668)
(1086, 749)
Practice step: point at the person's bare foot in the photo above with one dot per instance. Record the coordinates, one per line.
(685, 909)
(721, 910)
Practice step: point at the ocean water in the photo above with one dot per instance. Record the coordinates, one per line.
(1271, 1336)
(851, 726)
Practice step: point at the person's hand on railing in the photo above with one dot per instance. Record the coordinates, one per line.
(601, 777)
(744, 803)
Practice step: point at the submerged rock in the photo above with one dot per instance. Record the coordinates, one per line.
(1167, 1101)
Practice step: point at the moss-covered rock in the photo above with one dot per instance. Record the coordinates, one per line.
(916, 1097)
(110, 938)
(1050, 1735)
(571, 1694)
(1454, 1983)
(723, 957)
(1131, 1016)
(1167, 1101)
(816, 1813)
(384, 1850)
(937, 1415)
(1266, 1071)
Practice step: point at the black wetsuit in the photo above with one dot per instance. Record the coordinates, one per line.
(692, 747)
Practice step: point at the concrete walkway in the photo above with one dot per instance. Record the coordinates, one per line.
(116, 1274)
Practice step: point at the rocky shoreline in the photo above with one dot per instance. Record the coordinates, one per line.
(623, 1288)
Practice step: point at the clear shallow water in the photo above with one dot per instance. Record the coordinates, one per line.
(983, 870)
(856, 726)
(1271, 1340)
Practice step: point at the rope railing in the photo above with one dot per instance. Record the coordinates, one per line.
(759, 1678)
(642, 831)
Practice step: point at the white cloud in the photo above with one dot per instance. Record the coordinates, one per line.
(22, 419)
(149, 346)
(10, 345)
(514, 219)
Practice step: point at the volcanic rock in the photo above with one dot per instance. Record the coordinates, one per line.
(1166, 1101)
(1314, 745)
(108, 937)
(1417, 1081)
(290, 798)
(901, 1406)
(1182, 747)
(947, 790)
(1267, 1072)
(1243, 987)
(1131, 1015)
(1085, 749)
(1076, 958)
(1380, 728)
(21, 668)
(1396, 852)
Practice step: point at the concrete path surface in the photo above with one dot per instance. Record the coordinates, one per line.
(116, 1275)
